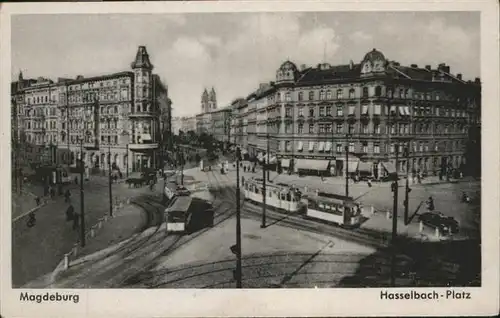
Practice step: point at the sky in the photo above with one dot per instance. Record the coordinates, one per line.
(234, 52)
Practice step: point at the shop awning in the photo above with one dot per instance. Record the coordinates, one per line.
(300, 146)
(328, 146)
(272, 160)
(393, 109)
(285, 163)
(312, 164)
(145, 137)
(321, 146)
(389, 166)
(311, 146)
(365, 167)
(352, 166)
(377, 109)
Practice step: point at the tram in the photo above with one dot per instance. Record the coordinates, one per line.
(178, 214)
(279, 196)
(337, 209)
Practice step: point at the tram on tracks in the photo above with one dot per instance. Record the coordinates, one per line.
(178, 214)
(279, 196)
(333, 208)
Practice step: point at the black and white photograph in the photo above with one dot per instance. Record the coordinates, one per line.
(256, 150)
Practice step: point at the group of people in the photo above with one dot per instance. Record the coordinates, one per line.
(71, 215)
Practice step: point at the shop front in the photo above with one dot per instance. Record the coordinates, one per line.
(315, 167)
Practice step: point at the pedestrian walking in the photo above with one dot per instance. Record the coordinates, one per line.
(37, 200)
(67, 195)
(76, 180)
(76, 221)
(52, 192)
(369, 183)
(70, 213)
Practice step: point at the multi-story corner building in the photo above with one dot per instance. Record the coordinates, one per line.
(121, 114)
(317, 113)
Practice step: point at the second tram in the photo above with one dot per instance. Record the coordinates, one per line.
(338, 209)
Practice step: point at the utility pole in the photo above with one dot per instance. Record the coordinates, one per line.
(82, 210)
(347, 166)
(263, 225)
(110, 181)
(182, 167)
(238, 222)
(394, 220)
(268, 150)
(407, 189)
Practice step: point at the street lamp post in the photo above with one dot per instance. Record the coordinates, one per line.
(407, 188)
(110, 182)
(238, 221)
(394, 219)
(347, 165)
(82, 205)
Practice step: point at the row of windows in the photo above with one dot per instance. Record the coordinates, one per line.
(48, 111)
(363, 128)
(41, 124)
(41, 100)
(327, 146)
(101, 84)
(403, 93)
(376, 110)
(104, 124)
(89, 97)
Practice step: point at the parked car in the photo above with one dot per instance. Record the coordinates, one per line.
(439, 220)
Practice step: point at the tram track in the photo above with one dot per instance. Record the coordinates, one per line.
(262, 269)
(220, 214)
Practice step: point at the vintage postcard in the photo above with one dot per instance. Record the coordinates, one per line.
(258, 158)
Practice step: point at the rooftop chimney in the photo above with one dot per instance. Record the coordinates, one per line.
(414, 65)
(303, 67)
(351, 64)
(428, 67)
(459, 76)
(477, 80)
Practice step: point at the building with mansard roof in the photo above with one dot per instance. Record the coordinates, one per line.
(122, 114)
(311, 116)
